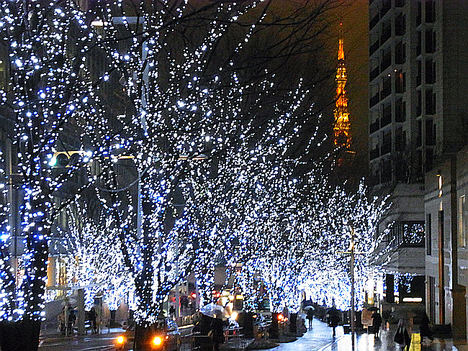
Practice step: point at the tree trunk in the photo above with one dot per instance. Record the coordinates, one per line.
(20, 336)
(293, 323)
(112, 318)
(274, 328)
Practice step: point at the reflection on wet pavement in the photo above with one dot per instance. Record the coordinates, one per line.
(320, 338)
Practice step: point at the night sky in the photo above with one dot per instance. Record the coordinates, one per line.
(355, 32)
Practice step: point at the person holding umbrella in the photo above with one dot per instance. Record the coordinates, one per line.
(333, 319)
(217, 315)
(310, 315)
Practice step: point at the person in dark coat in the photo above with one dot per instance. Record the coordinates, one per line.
(172, 311)
(402, 336)
(376, 323)
(310, 317)
(424, 328)
(217, 333)
(71, 320)
(333, 319)
(92, 318)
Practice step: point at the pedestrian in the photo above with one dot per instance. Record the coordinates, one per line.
(310, 316)
(71, 320)
(93, 319)
(172, 311)
(183, 303)
(333, 319)
(61, 320)
(376, 323)
(217, 333)
(402, 337)
(425, 330)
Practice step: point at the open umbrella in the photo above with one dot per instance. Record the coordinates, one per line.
(309, 308)
(214, 311)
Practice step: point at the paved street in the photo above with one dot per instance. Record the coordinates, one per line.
(320, 339)
(83, 343)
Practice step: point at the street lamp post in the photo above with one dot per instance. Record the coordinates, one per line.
(352, 252)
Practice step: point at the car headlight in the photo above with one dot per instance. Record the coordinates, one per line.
(157, 341)
(120, 340)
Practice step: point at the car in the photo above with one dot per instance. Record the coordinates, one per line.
(165, 336)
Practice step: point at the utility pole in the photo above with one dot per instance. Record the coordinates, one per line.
(351, 270)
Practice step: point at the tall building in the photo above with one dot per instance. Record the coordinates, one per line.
(341, 128)
(395, 147)
(417, 134)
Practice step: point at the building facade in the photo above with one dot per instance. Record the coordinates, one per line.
(446, 242)
(397, 145)
(418, 135)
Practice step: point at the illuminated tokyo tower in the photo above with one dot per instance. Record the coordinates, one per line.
(342, 135)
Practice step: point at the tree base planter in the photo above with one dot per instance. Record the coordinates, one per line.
(20, 336)
(274, 327)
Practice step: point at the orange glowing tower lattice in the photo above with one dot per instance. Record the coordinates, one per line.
(341, 128)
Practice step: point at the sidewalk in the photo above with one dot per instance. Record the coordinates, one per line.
(368, 342)
(320, 338)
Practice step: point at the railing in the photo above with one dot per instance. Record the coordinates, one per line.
(418, 110)
(430, 12)
(400, 27)
(430, 76)
(374, 153)
(430, 141)
(430, 44)
(400, 57)
(385, 92)
(400, 115)
(373, 48)
(374, 21)
(386, 148)
(374, 126)
(374, 73)
(386, 119)
(386, 62)
(399, 146)
(430, 107)
(373, 100)
(386, 33)
(387, 6)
